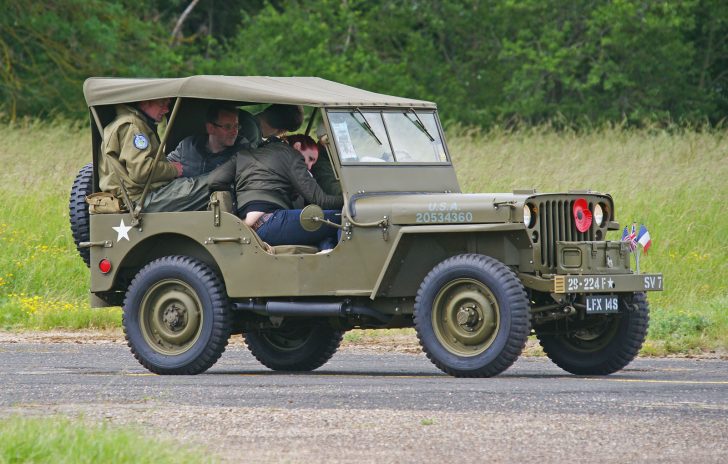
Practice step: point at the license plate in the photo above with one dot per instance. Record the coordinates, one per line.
(598, 304)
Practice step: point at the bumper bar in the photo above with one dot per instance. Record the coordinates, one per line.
(601, 283)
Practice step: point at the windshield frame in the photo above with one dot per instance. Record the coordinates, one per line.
(388, 142)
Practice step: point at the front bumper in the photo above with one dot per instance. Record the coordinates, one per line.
(598, 283)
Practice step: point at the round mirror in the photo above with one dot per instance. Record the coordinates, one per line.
(311, 217)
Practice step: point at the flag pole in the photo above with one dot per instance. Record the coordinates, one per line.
(637, 259)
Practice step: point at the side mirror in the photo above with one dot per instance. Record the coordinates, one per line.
(311, 218)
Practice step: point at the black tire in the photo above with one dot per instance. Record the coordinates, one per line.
(471, 316)
(295, 346)
(602, 344)
(176, 316)
(78, 209)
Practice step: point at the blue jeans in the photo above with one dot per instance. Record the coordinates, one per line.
(284, 228)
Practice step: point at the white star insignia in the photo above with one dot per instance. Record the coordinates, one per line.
(122, 231)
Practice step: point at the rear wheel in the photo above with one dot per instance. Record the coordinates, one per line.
(176, 316)
(78, 209)
(471, 316)
(295, 346)
(600, 344)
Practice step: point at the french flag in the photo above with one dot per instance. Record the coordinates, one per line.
(643, 238)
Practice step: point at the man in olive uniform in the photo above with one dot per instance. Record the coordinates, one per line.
(129, 149)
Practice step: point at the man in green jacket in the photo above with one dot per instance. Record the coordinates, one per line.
(129, 147)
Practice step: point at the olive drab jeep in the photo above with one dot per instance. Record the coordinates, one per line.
(474, 274)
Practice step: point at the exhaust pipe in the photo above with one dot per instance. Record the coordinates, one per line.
(309, 309)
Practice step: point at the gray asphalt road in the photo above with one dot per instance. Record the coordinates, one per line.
(385, 407)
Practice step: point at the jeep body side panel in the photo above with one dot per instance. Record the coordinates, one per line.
(237, 253)
(160, 234)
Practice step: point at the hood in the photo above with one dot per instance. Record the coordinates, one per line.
(440, 208)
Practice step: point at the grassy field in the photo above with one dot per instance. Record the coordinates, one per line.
(59, 440)
(674, 182)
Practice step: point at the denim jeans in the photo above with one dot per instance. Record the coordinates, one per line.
(284, 228)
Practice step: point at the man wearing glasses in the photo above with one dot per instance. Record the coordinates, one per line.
(199, 154)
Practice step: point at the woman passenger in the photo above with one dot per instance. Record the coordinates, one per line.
(268, 180)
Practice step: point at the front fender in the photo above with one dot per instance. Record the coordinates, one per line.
(417, 249)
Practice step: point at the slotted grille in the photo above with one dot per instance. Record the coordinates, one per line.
(556, 222)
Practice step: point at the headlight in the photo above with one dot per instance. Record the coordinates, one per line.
(598, 215)
(527, 216)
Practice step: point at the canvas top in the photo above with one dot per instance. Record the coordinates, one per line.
(308, 91)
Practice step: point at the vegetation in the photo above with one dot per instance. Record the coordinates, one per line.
(486, 62)
(58, 440)
(673, 181)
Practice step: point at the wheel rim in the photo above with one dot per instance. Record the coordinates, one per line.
(288, 339)
(465, 317)
(171, 317)
(593, 338)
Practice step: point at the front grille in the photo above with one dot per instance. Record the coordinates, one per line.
(556, 223)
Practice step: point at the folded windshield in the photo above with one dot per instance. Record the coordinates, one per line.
(402, 136)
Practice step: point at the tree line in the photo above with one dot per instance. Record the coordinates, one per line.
(485, 62)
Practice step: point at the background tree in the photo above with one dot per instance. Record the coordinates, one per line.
(483, 61)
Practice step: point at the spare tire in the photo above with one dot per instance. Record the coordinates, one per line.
(78, 209)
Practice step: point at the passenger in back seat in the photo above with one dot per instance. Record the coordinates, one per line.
(267, 180)
(199, 154)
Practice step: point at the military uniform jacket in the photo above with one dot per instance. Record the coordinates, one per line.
(275, 173)
(130, 145)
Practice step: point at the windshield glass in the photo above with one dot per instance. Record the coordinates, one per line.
(387, 137)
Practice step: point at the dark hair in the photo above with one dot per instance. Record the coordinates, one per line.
(284, 117)
(307, 143)
(214, 110)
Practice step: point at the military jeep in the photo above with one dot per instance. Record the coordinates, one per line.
(474, 274)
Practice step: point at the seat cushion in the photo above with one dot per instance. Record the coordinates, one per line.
(293, 250)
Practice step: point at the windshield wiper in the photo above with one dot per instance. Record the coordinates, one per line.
(418, 124)
(365, 125)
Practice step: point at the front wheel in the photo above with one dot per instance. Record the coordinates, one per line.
(295, 346)
(601, 344)
(176, 316)
(471, 316)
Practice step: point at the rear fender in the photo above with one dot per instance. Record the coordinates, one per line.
(146, 251)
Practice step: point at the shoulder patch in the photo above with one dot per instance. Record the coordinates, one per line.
(141, 141)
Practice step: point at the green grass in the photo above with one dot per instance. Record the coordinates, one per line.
(61, 441)
(43, 283)
(672, 181)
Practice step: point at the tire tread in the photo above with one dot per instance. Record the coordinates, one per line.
(220, 333)
(515, 294)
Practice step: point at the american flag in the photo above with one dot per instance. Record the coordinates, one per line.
(630, 237)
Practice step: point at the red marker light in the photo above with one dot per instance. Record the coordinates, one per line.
(105, 266)
(582, 215)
